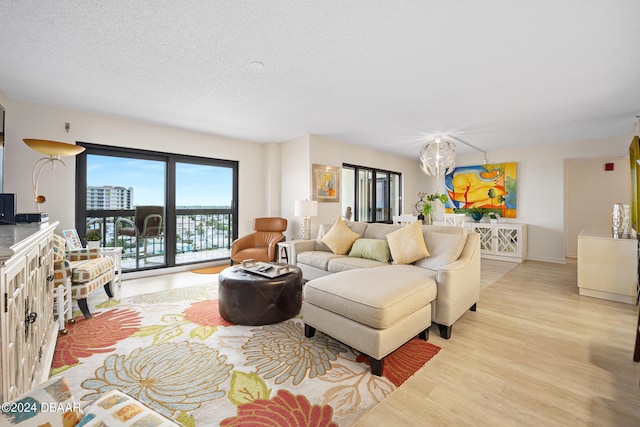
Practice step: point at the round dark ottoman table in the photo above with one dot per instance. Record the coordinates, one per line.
(246, 298)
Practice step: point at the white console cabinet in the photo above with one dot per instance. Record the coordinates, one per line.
(501, 241)
(607, 267)
(28, 329)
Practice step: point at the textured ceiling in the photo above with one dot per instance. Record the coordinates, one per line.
(384, 74)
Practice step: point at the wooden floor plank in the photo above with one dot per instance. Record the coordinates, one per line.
(535, 353)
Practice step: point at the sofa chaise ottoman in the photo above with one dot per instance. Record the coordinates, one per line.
(453, 261)
(374, 311)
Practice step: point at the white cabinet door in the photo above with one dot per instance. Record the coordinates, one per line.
(505, 242)
(27, 326)
(14, 375)
(508, 241)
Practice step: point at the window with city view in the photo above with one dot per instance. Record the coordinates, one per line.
(194, 196)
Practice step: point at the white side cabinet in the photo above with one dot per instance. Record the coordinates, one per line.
(607, 267)
(502, 241)
(28, 329)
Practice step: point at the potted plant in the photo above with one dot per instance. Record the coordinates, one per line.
(428, 207)
(476, 213)
(493, 217)
(93, 238)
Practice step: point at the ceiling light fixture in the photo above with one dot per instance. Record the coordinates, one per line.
(54, 150)
(438, 157)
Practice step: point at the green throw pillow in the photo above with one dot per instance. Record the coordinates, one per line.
(375, 249)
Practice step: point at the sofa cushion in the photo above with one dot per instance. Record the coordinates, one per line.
(377, 250)
(444, 248)
(49, 404)
(358, 227)
(407, 244)
(86, 270)
(317, 259)
(377, 297)
(379, 230)
(344, 263)
(340, 238)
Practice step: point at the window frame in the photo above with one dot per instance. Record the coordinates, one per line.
(373, 193)
(170, 160)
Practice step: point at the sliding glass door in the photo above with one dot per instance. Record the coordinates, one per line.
(373, 195)
(204, 196)
(163, 209)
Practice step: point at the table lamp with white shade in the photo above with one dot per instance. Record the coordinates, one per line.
(306, 209)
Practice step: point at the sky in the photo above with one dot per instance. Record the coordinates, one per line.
(196, 185)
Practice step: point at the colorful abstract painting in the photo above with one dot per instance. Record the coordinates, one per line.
(491, 187)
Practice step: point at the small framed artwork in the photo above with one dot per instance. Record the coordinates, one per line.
(73, 240)
(326, 183)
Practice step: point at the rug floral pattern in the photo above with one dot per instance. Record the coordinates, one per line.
(172, 351)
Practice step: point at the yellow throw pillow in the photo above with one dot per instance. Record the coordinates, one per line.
(407, 244)
(340, 238)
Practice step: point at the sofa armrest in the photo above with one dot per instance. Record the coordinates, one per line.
(298, 246)
(458, 284)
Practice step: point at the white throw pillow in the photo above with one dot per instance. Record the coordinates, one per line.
(444, 248)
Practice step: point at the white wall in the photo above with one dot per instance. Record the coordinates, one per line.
(27, 120)
(295, 182)
(541, 188)
(590, 192)
(325, 151)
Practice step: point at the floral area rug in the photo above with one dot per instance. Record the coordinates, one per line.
(172, 351)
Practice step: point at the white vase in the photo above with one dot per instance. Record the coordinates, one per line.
(94, 244)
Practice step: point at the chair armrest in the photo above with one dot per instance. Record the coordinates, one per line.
(271, 239)
(61, 272)
(241, 243)
(127, 221)
(82, 254)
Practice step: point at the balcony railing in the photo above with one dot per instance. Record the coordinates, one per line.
(201, 230)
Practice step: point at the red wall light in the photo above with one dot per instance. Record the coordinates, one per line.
(609, 166)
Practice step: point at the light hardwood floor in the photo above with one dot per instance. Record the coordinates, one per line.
(534, 354)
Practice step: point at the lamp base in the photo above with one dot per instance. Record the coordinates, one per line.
(305, 231)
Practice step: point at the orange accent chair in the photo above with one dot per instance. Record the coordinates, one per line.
(262, 244)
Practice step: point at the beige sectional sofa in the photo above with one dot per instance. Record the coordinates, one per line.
(453, 263)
